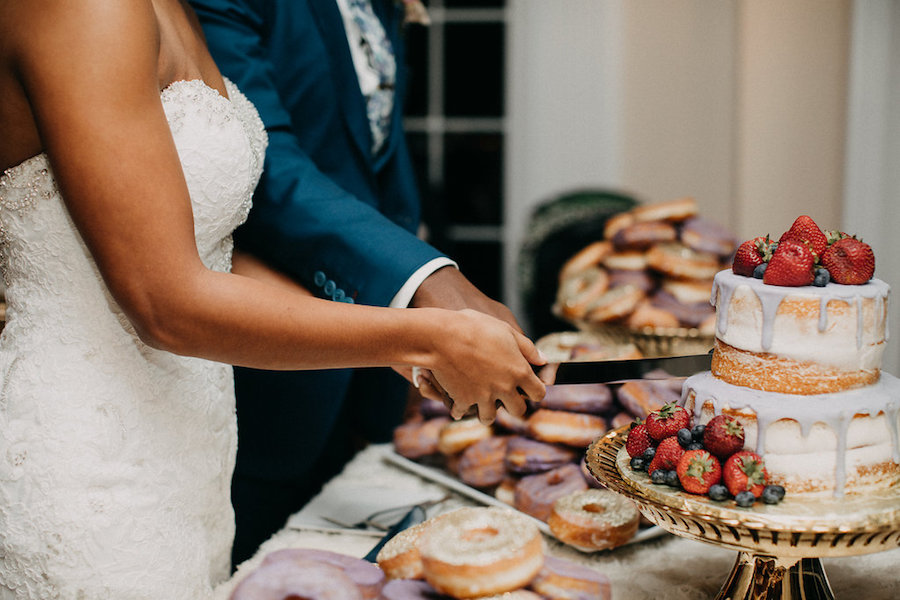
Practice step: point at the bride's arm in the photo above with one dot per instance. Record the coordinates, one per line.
(91, 75)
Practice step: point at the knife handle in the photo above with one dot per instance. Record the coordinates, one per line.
(415, 516)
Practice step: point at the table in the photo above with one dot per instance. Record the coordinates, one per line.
(665, 568)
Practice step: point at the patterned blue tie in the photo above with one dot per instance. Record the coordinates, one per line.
(380, 55)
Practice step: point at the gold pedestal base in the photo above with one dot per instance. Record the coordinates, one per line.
(759, 577)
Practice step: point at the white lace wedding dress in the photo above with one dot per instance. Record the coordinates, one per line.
(115, 458)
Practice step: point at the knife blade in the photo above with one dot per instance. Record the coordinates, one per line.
(415, 516)
(617, 371)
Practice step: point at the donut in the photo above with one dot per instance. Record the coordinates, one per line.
(311, 580)
(688, 291)
(368, 578)
(417, 439)
(564, 427)
(689, 315)
(615, 223)
(506, 491)
(627, 260)
(705, 235)
(620, 419)
(525, 456)
(580, 291)
(514, 595)
(535, 494)
(473, 552)
(399, 558)
(594, 519)
(456, 436)
(643, 234)
(583, 398)
(508, 421)
(675, 210)
(677, 260)
(639, 277)
(591, 255)
(645, 315)
(561, 579)
(482, 464)
(602, 352)
(614, 304)
(642, 397)
(430, 408)
(407, 589)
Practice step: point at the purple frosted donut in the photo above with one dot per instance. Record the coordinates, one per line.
(690, 315)
(567, 580)
(643, 396)
(588, 477)
(313, 580)
(705, 235)
(535, 494)
(482, 464)
(417, 439)
(525, 456)
(409, 589)
(594, 398)
(429, 408)
(507, 421)
(620, 419)
(641, 278)
(367, 577)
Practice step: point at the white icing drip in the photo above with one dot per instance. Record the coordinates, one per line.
(835, 410)
(723, 293)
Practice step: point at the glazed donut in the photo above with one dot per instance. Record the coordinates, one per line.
(507, 421)
(561, 579)
(473, 552)
(564, 427)
(535, 494)
(514, 595)
(591, 255)
(399, 558)
(640, 278)
(620, 419)
(602, 352)
(689, 315)
(579, 292)
(642, 397)
(417, 439)
(582, 398)
(643, 234)
(430, 408)
(506, 491)
(525, 456)
(645, 315)
(706, 235)
(456, 436)
(296, 579)
(615, 223)
(368, 578)
(630, 260)
(688, 291)
(677, 260)
(594, 519)
(482, 464)
(614, 304)
(676, 210)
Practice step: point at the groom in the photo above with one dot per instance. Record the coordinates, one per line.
(337, 210)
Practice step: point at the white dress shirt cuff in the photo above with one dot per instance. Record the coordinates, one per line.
(405, 294)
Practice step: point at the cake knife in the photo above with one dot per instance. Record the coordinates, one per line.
(620, 370)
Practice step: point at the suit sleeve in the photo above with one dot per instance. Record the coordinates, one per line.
(302, 222)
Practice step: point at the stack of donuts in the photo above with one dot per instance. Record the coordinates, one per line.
(652, 270)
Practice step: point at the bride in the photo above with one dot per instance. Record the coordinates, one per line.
(127, 160)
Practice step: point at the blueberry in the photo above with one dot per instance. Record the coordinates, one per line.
(685, 437)
(697, 432)
(760, 270)
(694, 446)
(745, 498)
(672, 479)
(638, 464)
(658, 476)
(772, 494)
(718, 492)
(648, 454)
(822, 277)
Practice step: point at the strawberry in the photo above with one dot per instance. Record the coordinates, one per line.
(698, 470)
(723, 436)
(751, 254)
(667, 421)
(805, 230)
(849, 261)
(668, 453)
(745, 470)
(792, 264)
(638, 440)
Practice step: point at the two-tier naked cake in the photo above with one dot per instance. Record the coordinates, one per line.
(797, 360)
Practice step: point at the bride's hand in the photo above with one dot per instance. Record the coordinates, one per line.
(483, 360)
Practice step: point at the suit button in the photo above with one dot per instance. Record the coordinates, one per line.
(319, 278)
(338, 295)
(329, 288)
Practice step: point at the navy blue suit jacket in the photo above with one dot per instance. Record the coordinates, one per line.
(326, 212)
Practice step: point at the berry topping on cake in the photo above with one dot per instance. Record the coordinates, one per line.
(745, 471)
(638, 441)
(850, 261)
(698, 470)
(751, 254)
(668, 453)
(723, 436)
(792, 265)
(805, 231)
(667, 421)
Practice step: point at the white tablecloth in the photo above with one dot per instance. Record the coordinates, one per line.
(665, 568)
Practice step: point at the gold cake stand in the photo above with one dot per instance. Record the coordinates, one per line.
(779, 546)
